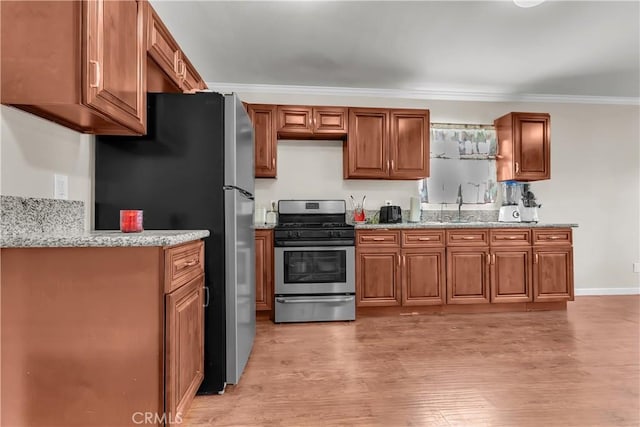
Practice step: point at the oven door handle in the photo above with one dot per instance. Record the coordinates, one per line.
(308, 300)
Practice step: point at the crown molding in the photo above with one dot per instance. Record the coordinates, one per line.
(441, 95)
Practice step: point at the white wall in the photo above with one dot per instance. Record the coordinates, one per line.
(595, 175)
(33, 150)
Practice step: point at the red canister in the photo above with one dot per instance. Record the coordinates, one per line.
(130, 221)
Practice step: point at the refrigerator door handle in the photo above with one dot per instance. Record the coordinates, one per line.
(245, 193)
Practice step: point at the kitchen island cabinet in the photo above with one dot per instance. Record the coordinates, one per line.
(79, 63)
(524, 147)
(117, 329)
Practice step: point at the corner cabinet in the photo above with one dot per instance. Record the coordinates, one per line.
(84, 67)
(264, 270)
(387, 144)
(263, 117)
(524, 147)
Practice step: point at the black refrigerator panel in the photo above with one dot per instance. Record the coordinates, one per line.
(175, 175)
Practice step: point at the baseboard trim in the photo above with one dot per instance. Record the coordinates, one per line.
(607, 291)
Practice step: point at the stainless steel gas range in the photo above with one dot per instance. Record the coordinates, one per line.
(314, 262)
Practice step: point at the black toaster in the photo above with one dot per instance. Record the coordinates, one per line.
(390, 215)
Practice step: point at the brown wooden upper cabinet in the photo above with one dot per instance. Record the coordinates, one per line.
(169, 70)
(78, 63)
(387, 144)
(524, 151)
(263, 117)
(312, 122)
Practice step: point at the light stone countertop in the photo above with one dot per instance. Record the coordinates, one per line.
(101, 238)
(478, 224)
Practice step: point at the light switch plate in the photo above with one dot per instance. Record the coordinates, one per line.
(636, 267)
(60, 186)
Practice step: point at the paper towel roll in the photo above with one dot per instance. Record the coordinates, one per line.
(414, 214)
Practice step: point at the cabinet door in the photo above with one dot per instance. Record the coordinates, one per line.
(531, 147)
(467, 275)
(409, 144)
(295, 121)
(263, 118)
(264, 270)
(184, 364)
(423, 277)
(162, 48)
(378, 277)
(367, 145)
(511, 275)
(553, 274)
(330, 121)
(115, 59)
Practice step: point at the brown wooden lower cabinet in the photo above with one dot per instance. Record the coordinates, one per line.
(120, 329)
(378, 276)
(420, 267)
(553, 273)
(467, 275)
(264, 270)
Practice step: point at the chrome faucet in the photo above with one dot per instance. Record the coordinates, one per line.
(459, 199)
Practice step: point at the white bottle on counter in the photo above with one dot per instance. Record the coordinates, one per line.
(272, 216)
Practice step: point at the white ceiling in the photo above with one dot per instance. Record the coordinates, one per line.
(566, 48)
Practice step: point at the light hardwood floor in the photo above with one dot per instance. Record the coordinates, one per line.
(578, 367)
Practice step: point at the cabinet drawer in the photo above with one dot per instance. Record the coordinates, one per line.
(552, 236)
(512, 237)
(182, 264)
(468, 237)
(419, 238)
(378, 238)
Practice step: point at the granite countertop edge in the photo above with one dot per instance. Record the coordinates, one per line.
(102, 238)
(466, 225)
(264, 226)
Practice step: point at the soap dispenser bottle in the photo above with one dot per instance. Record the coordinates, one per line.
(272, 216)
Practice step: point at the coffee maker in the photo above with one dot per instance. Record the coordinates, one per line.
(511, 193)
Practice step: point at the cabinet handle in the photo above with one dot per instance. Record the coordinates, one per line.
(399, 260)
(378, 239)
(388, 165)
(511, 237)
(424, 238)
(206, 300)
(499, 156)
(391, 164)
(273, 163)
(493, 259)
(535, 259)
(97, 78)
(553, 237)
(488, 258)
(404, 261)
(517, 167)
(468, 237)
(190, 263)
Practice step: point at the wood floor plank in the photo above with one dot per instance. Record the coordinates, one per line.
(579, 367)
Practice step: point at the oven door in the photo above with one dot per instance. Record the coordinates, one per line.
(314, 270)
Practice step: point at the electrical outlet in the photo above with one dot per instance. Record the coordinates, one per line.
(60, 186)
(387, 202)
(636, 267)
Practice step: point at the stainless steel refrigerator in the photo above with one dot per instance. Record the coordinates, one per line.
(194, 170)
